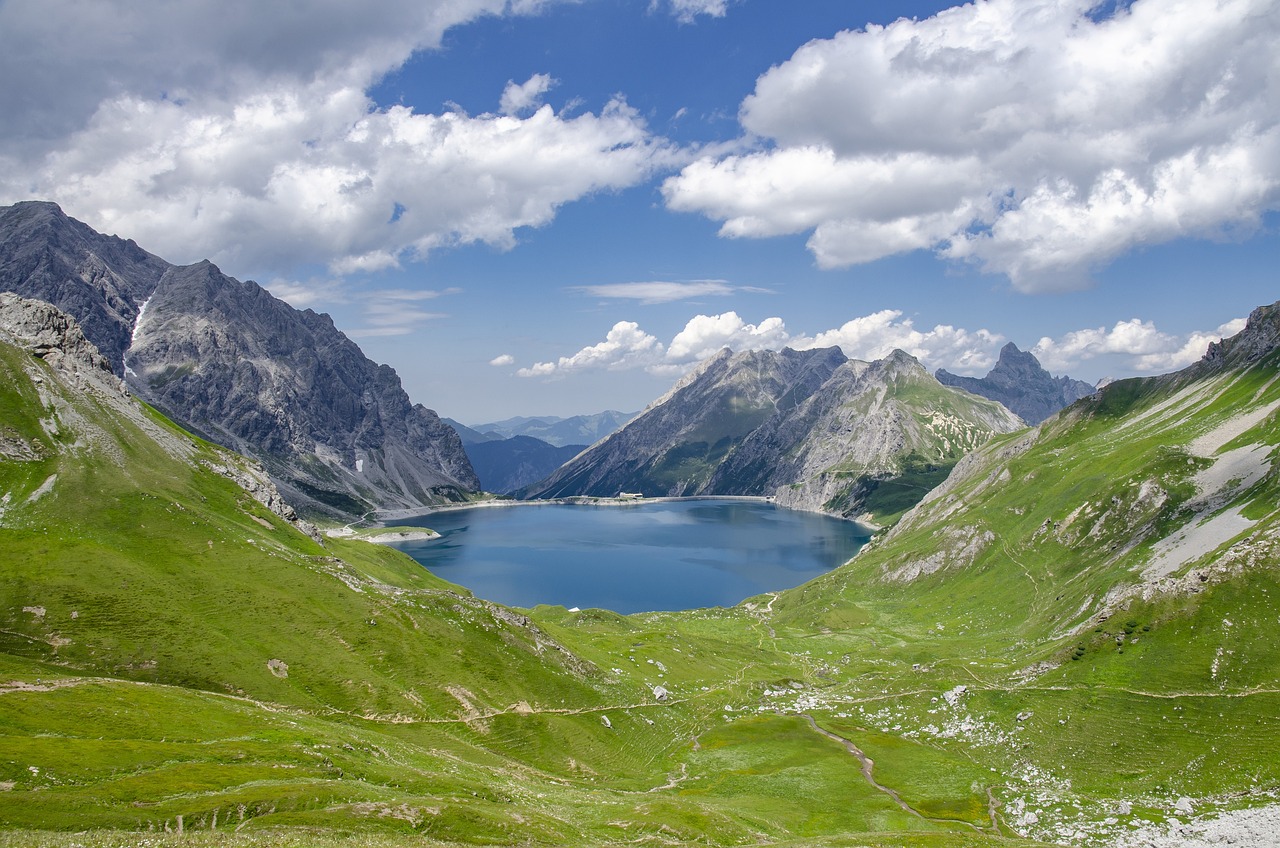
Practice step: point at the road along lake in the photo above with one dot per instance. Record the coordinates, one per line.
(633, 557)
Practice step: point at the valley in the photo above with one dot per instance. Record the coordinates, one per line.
(1016, 661)
(1061, 636)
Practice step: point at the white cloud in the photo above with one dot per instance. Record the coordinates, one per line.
(658, 291)
(260, 147)
(503, 360)
(704, 335)
(626, 346)
(525, 97)
(869, 337)
(1137, 343)
(875, 336)
(312, 293)
(1023, 135)
(394, 312)
(687, 11)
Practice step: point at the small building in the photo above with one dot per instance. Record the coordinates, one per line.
(631, 496)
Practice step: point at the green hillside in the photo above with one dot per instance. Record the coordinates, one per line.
(995, 670)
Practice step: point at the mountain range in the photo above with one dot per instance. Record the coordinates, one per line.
(1068, 642)
(574, 430)
(336, 432)
(812, 428)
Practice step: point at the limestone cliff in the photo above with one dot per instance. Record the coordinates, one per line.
(224, 358)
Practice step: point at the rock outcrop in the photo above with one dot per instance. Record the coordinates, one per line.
(224, 358)
(1020, 383)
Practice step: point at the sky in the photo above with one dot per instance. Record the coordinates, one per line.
(556, 207)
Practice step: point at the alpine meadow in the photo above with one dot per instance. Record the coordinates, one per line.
(968, 309)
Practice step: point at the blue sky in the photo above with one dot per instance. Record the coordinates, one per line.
(550, 207)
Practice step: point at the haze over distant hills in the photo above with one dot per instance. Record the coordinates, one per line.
(813, 428)
(1019, 382)
(336, 431)
(575, 430)
(507, 465)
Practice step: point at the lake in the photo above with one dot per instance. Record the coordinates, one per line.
(637, 557)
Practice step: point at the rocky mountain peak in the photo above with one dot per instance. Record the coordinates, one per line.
(1260, 336)
(100, 280)
(226, 359)
(1021, 383)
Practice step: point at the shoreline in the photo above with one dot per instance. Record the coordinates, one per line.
(388, 518)
(383, 517)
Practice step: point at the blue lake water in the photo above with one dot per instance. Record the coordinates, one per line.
(636, 557)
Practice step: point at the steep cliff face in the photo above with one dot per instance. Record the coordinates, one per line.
(100, 280)
(875, 439)
(813, 428)
(226, 359)
(674, 446)
(1020, 383)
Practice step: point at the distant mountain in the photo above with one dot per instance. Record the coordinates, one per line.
(576, 430)
(813, 428)
(224, 358)
(1020, 383)
(505, 465)
(469, 435)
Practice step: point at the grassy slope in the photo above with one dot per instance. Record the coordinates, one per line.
(410, 707)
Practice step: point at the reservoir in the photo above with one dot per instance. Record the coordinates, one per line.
(634, 557)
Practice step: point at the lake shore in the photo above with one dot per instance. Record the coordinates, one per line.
(386, 518)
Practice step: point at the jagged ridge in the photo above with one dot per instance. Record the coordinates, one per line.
(224, 357)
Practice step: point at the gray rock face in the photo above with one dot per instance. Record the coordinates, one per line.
(227, 360)
(100, 280)
(674, 447)
(1021, 384)
(54, 336)
(812, 428)
(1260, 336)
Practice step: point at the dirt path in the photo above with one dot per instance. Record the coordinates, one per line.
(867, 767)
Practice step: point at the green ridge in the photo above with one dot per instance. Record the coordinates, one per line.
(170, 648)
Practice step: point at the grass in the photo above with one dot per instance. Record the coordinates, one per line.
(169, 648)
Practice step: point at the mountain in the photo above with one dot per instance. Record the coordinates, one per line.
(1069, 642)
(1021, 384)
(505, 465)
(575, 430)
(813, 428)
(469, 435)
(1115, 575)
(336, 432)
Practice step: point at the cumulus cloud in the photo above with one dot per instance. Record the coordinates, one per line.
(626, 346)
(875, 336)
(705, 335)
(659, 291)
(503, 360)
(1134, 345)
(1036, 138)
(869, 337)
(1143, 347)
(260, 147)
